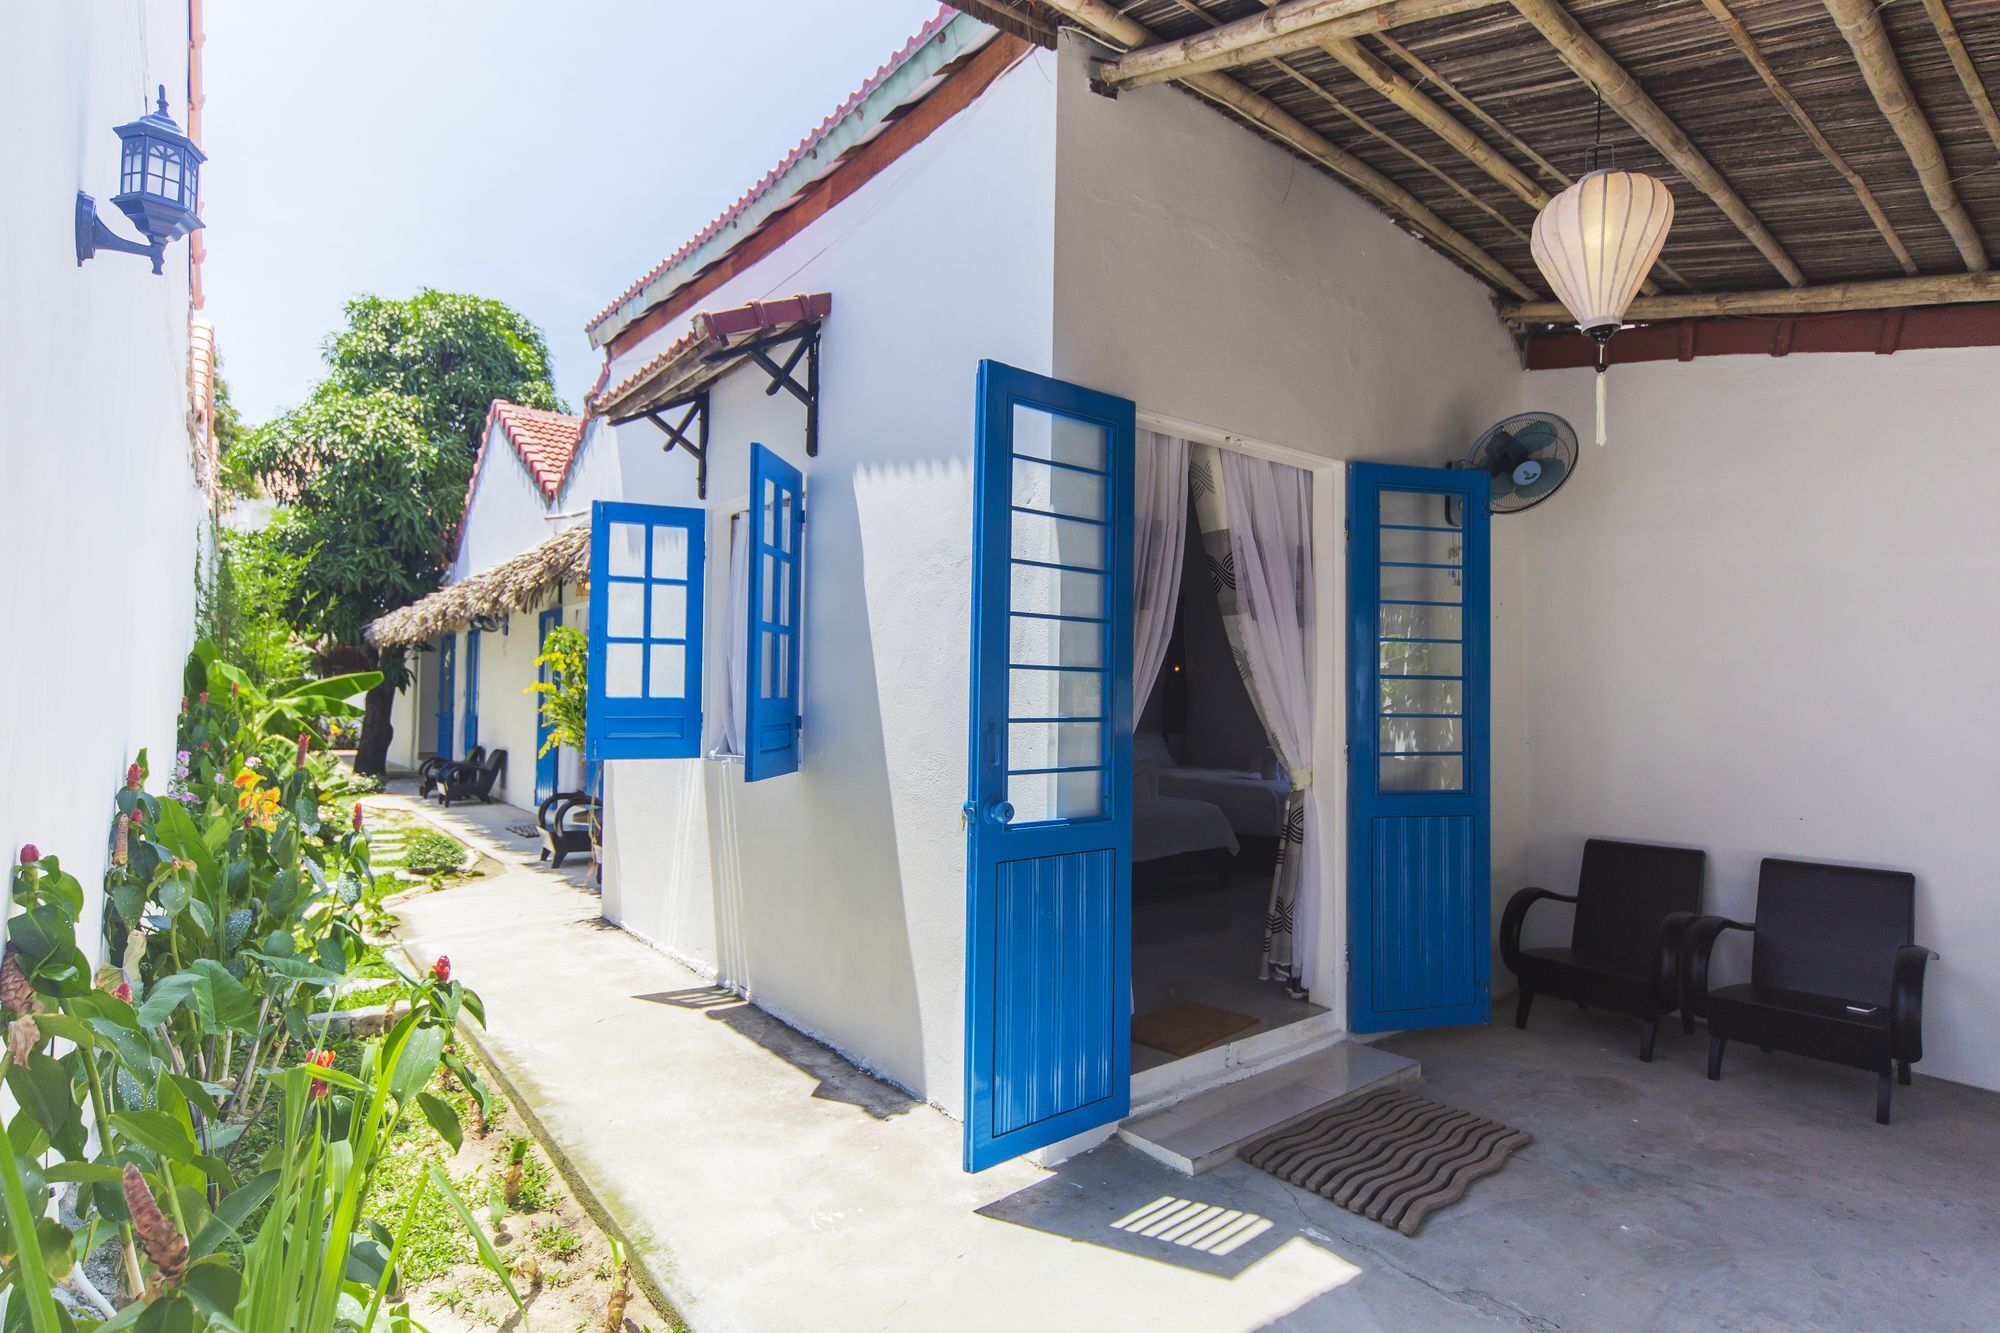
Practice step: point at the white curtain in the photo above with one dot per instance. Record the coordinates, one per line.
(1160, 523)
(1256, 524)
(735, 643)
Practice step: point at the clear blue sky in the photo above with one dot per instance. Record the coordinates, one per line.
(546, 154)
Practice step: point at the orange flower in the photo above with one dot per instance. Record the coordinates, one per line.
(323, 1059)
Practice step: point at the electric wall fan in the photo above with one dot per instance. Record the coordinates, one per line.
(1527, 457)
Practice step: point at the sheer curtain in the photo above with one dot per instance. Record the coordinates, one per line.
(1256, 527)
(735, 641)
(1160, 522)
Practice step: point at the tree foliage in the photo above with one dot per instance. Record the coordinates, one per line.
(246, 605)
(451, 352)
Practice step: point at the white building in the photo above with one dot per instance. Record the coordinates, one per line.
(107, 438)
(1721, 634)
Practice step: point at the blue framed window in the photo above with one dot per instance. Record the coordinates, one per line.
(645, 632)
(471, 690)
(771, 661)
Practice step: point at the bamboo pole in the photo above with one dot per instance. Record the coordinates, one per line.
(1472, 108)
(1165, 62)
(1745, 44)
(1594, 65)
(1879, 294)
(1862, 27)
(1098, 17)
(1961, 60)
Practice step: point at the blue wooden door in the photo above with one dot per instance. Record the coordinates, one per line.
(471, 689)
(771, 657)
(1049, 814)
(546, 756)
(1419, 790)
(447, 689)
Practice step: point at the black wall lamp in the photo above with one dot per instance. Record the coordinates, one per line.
(157, 182)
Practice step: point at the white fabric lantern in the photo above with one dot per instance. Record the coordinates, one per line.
(1595, 243)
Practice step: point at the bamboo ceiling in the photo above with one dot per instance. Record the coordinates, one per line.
(1683, 56)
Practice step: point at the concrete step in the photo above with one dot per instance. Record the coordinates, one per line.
(1205, 1131)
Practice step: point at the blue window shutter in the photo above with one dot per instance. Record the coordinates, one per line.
(777, 563)
(645, 632)
(471, 690)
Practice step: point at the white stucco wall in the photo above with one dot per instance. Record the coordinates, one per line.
(836, 896)
(100, 541)
(1210, 276)
(1764, 620)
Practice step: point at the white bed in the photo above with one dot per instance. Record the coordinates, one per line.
(1252, 803)
(1164, 826)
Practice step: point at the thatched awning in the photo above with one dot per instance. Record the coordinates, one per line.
(527, 581)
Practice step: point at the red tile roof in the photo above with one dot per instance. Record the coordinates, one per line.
(545, 441)
(692, 360)
(805, 149)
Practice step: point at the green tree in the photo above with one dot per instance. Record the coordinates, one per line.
(370, 471)
(452, 353)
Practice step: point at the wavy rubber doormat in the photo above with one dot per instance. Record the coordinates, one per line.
(1389, 1157)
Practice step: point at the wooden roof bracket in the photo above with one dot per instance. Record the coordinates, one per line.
(696, 418)
(805, 340)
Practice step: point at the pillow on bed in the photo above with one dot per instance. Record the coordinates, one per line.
(1151, 747)
(1145, 780)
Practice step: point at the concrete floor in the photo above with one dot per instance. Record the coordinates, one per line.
(768, 1184)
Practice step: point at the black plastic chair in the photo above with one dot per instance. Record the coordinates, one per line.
(564, 820)
(430, 773)
(468, 782)
(1834, 971)
(1634, 902)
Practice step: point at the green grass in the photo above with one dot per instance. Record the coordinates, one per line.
(429, 852)
(552, 1238)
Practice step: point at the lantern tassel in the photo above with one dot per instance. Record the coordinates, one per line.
(1600, 407)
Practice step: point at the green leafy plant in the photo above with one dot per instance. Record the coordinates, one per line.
(428, 852)
(566, 655)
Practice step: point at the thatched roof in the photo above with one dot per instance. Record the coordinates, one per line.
(527, 581)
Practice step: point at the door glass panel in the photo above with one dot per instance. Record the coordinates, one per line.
(670, 604)
(1427, 548)
(1420, 509)
(1058, 490)
(670, 552)
(1037, 434)
(1058, 541)
(1033, 641)
(1057, 592)
(669, 671)
(1422, 622)
(1401, 583)
(624, 670)
(1040, 797)
(1409, 657)
(1423, 696)
(1036, 693)
(625, 611)
(1422, 773)
(1430, 735)
(1054, 744)
(627, 550)
(785, 521)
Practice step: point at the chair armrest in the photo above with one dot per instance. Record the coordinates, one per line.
(1674, 928)
(1516, 913)
(1697, 943)
(548, 804)
(1906, 1002)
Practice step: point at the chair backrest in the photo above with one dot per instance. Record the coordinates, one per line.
(1831, 930)
(1623, 893)
(491, 772)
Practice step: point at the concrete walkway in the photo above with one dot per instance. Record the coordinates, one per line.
(769, 1185)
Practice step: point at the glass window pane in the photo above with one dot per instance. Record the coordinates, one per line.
(625, 610)
(767, 578)
(669, 671)
(1425, 773)
(1058, 541)
(670, 552)
(670, 608)
(1401, 583)
(781, 593)
(785, 521)
(1422, 622)
(1425, 509)
(1038, 434)
(1032, 692)
(770, 511)
(1038, 798)
(767, 664)
(1424, 548)
(1423, 696)
(1058, 490)
(1054, 744)
(1057, 592)
(624, 666)
(1035, 642)
(1400, 735)
(627, 553)
(1401, 657)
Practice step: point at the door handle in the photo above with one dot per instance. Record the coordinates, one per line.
(1001, 813)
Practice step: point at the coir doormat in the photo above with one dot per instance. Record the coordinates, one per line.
(1184, 1027)
(1388, 1156)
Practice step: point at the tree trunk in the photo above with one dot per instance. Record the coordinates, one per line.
(371, 756)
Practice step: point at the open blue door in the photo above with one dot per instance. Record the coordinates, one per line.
(546, 755)
(471, 689)
(1419, 790)
(645, 632)
(777, 566)
(447, 689)
(1049, 819)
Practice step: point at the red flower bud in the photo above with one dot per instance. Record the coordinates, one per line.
(234, 689)
(441, 969)
(132, 777)
(30, 854)
(357, 816)
(138, 815)
(303, 738)
(324, 1059)
(204, 696)
(204, 745)
(124, 991)
(184, 703)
